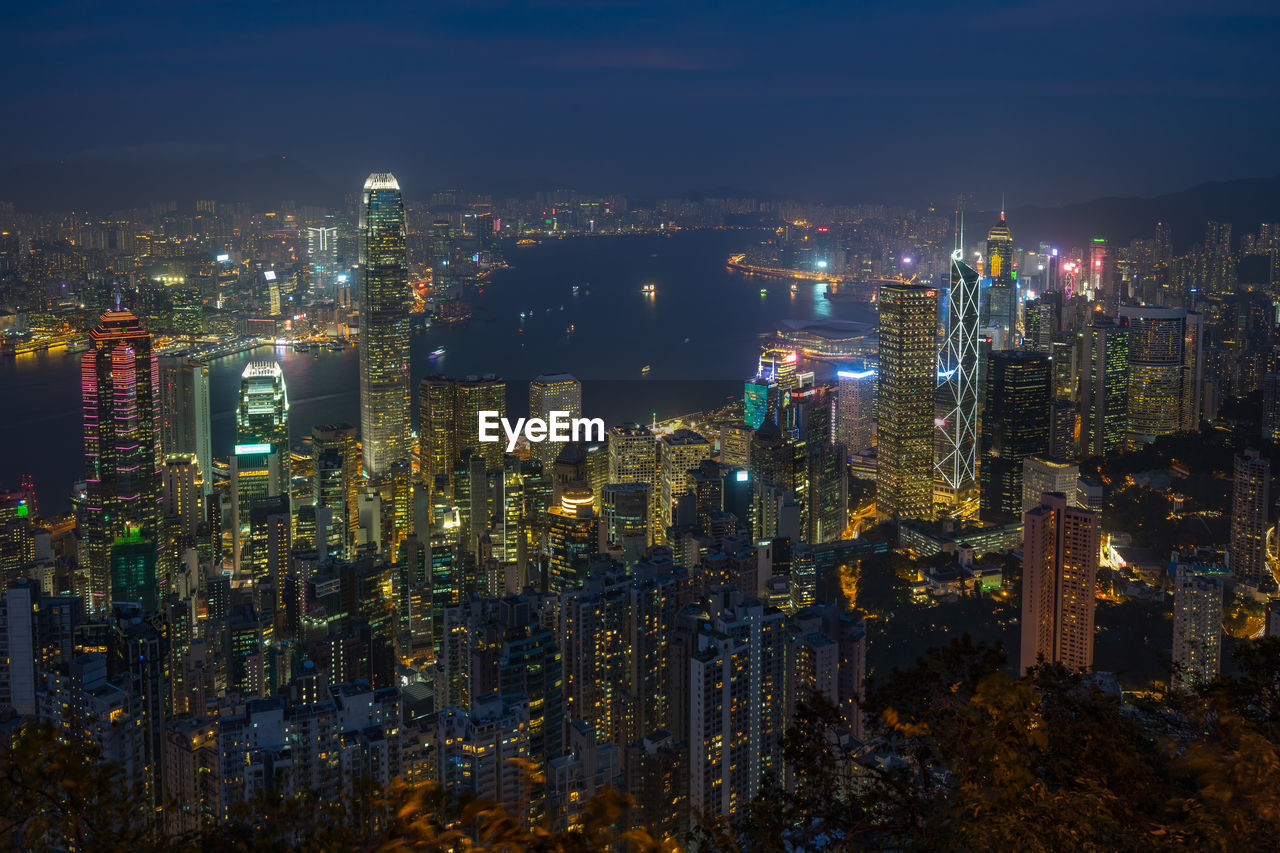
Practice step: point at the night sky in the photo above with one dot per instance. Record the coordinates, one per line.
(883, 101)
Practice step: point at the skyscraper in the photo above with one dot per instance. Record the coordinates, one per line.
(678, 452)
(449, 422)
(1165, 372)
(1197, 626)
(1059, 572)
(260, 464)
(957, 394)
(1104, 397)
(1250, 505)
(555, 392)
(184, 412)
(855, 408)
(120, 384)
(384, 325)
(1015, 426)
(1002, 298)
(904, 400)
(335, 459)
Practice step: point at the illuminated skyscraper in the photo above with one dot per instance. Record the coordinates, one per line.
(957, 394)
(633, 458)
(322, 259)
(904, 400)
(260, 463)
(1165, 372)
(778, 365)
(335, 459)
(449, 422)
(573, 534)
(184, 412)
(1197, 626)
(120, 384)
(1250, 507)
(384, 325)
(556, 392)
(1002, 297)
(855, 408)
(678, 452)
(476, 395)
(1059, 573)
(1104, 388)
(1015, 426)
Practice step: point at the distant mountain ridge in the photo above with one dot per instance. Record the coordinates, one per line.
(100, 185)
(1244, 203)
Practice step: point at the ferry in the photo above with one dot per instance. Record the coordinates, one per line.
(794, 288)
(764, 291)
(574, 290)
(644, 371)
(437, 352)
(649, 289)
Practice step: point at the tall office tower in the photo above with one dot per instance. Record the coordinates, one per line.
(1104, 387)
(957, 395)
(437, 405)
(1062, 429)
(573, 535)
(759, 402)
(1059, 572)
(633, 458)
(1016, 426)
(184, 412)
(736, 684)
(120, 383)
(322, 259)
(1250, 505)
(1002, 298)
(133, 571)
(260, 465)
(855, 408)
(1097, 269)
(441, 255)
(1197, 626)
(1039, 323)
(1163, 249)
(778, 365)
(1040, 475)
(270, 540)
(481, 750)
(678, 453)
(554, 392)
(1165, 371)
(904, 401)
(384, 325)
(593, 632)
(181, 495)
(625, 511)
(1271, 407)
(335, 483)
(476, 395)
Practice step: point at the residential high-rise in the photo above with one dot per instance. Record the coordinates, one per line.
(555, 392)
(904, 400)
(1104, 392)
(384, 325)
(1015, 426)
(1165, 371)
(957, 396)
(1250, 507)
(1197, 626)
(855, 407)
(120, 383)
(184, 412)
(1059, 573)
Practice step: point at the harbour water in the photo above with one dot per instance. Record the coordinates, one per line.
(699, 333)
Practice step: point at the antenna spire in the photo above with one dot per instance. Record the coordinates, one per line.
(1002, 207)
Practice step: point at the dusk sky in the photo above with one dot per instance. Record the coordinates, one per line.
(1047, 101)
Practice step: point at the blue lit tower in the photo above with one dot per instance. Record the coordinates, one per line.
(956, 418)
(384, 325)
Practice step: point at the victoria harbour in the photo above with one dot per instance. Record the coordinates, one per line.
(699, 332)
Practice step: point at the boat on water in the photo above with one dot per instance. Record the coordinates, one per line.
(644, 371)
(764, 291)
(794, 288)
(574, 290)
(649, 289)
(437, 352)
